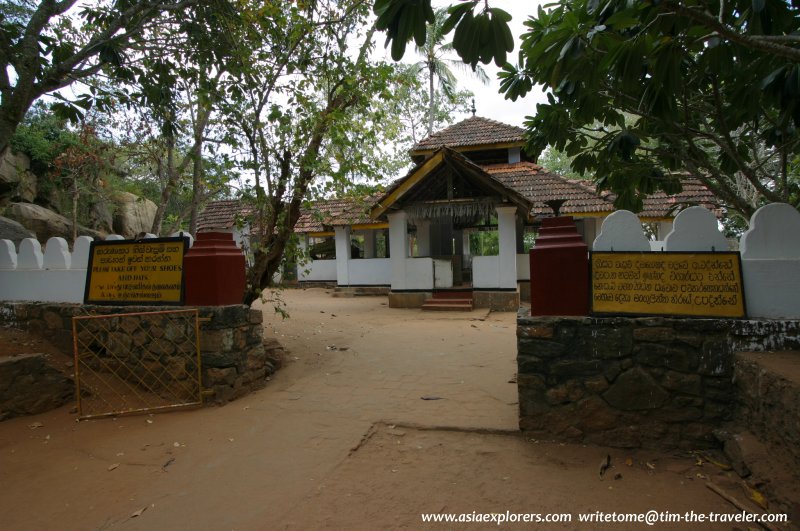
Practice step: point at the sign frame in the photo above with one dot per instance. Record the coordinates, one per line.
(620, 254)
(145, 241)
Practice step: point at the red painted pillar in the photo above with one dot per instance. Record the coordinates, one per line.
(214, 271)
(559, 270)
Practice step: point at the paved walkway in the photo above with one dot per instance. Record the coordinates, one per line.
(351, 363)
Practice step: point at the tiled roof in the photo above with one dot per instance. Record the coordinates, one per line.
(221, 214)
(539, 185)
(320, 216)
(694, 193)
(473, 131)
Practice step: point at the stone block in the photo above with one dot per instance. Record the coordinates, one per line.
(256, 317)
(596, 384)
(255, 334)
(565, 393)
(219, 359)
(657, 355)
(716, 358)
(216, 340)
(690, 384)
(593, 415)
(608, 343)
(540, 348)
(220, 376)
(688, 401)
(240, 338)
(679, 414)
(575, 369)
(540, 332)
(659, 334)
(612, 370)
(635, 390)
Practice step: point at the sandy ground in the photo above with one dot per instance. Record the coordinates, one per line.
(378, 415)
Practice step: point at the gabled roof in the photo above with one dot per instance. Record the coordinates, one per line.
(221, 214)
(539, 185)
(471, 133)
(446, 157)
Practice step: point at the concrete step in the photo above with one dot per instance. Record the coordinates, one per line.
(453, 294)
(458, 305)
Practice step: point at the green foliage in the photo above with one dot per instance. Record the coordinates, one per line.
(558, 162)
(715, 96)
(46, 46)
(43, 137)
(480, 36)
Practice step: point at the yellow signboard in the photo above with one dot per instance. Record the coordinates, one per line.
(136, 272)
(667, 283)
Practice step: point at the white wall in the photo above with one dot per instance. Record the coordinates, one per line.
(523, 267)
(52, 274)
(318, 271)
(419, 273)
(370, 272)
(770, 252)
(771, 262)
(485, 271)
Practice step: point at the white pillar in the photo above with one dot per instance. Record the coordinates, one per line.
(466, 251)
(398, 243)
(423, 237)
(303, 244)
(507, 257)
(342, 255)
(369, 244)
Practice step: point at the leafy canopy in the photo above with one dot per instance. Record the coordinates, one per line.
(641, 93)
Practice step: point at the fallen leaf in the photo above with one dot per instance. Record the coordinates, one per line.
(36, 425)
(176, 444)
(605, 464)
(112, 467)
(757, 497)
(169, 462)
(629, 462)
(651, 466)
(149, 421)
(431, 397)
(138, 512)
(617, 476)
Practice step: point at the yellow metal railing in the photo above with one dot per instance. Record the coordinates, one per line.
(137, 362)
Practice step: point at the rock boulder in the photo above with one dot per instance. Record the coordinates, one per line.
(11, 230)
(133, 214)
(16, 180)
(45, 223)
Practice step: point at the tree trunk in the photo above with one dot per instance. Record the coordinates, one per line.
(169, 186)
(431, 101)
(197, 182)
(75, 194)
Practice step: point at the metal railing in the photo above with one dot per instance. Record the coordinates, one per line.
(137, 362)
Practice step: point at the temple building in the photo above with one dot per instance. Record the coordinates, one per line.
(418, 238)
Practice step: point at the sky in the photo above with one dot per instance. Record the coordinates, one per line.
(489, 103)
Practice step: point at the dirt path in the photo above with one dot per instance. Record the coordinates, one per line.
(379, 415)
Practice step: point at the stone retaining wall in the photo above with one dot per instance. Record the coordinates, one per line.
(634, 382)
(234, 359)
